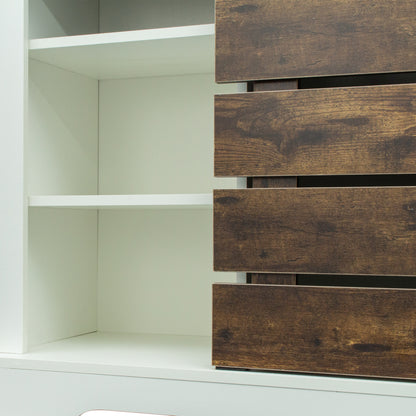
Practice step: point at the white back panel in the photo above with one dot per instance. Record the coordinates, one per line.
(118, 15)
(62, 274)
(63, 132)
(62, 158)
(13, 201)
(156, 135)
(155, 271)
(49, 18)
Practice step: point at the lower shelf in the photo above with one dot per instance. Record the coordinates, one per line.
(173, 357)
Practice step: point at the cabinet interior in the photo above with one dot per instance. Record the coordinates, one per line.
(51, 18)
(131, 271)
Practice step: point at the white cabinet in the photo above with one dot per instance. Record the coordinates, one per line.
(106, 211)
(117, 180)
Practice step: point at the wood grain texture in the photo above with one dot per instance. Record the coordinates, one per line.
(271, 278)
(366, 332)
(316, 230)
(273, 182)
(269, 39)
(360, 130)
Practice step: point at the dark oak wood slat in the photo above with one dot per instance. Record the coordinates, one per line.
(366, 332)
(316, 230)
(360, 130)
(273, 182)
(269, 39)
(272, 278)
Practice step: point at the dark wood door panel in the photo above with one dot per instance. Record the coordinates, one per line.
(368, 231)
(270, 39)
(360, 130)
(350, 331)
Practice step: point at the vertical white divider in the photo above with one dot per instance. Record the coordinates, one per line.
(13, 205)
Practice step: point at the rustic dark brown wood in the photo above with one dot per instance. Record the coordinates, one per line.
(316, 230)
(269, 39)
(362, 130)
(273, 182)
(272, 279)
(366, 332)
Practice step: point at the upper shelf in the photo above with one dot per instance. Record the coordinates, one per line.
(122, 201)
(137, 53)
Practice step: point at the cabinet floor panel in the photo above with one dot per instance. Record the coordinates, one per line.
(176, 357)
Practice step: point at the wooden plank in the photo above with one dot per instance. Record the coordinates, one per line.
(269, 39)
(272, 278)
(361, 130)
(366, 332)
(273, 182)
(316, 230)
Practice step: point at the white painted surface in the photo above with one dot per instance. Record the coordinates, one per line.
(156, 135)
(185, 358)
(149, 201)
(62, 17)
(43, 393)
(62, 287)
(115, 413)
(155, 271)
(62, 134)
(141, 53)
(117, 15)
(13, 204)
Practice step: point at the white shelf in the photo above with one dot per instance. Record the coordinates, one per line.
(138, 53)
(176, 357)
(149, 201)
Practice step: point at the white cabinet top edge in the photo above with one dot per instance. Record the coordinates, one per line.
(122, 37)
(120, 201)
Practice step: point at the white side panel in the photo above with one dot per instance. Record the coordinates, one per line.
(40, 393)
(13, 203)
(63, 132)
(117, 15)
(49, 18)
(156, 135)
(62, 274)
(155, 272)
